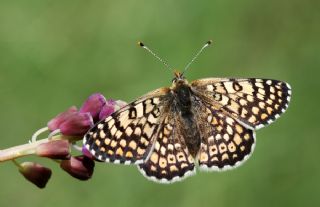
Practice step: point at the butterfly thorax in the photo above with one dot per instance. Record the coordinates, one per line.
(182, 95)
(183, 100)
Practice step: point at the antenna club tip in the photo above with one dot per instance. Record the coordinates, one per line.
(140, 44)
(209, 42)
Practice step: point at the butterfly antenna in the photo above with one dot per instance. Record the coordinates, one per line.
(198, 53)
(141, 44)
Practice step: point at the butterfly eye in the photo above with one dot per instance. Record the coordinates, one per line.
(174, 80)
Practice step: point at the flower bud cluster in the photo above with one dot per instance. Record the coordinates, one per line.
(67, 128)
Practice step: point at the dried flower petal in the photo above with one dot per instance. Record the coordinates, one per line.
(35, 173)
(120, 104)
(80, 167)
(93, 105)
(110, 107)
(77, 124)
(58, 149)
(54, 123)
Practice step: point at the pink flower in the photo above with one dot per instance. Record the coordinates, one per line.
(77, 124)
(86, 153)
(35, 173)
(54, 123)
(58, 149)
(110, 107)
(71, 122)
(80, 167)
(93, 105)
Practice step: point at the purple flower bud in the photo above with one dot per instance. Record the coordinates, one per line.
(107, 109)
(58, 149)
(87, 153)
(80, 167)
(35, 173)
(77, 124)
(93, 105)
(54, 123)
(110, 107)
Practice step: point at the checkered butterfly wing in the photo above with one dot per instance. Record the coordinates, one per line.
(254, 102)
(170, 159)
(225, 143)
(127, 136)
(228, 111)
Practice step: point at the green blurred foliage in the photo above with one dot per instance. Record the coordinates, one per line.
(53, 54)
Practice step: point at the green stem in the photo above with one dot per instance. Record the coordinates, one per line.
(17, 164)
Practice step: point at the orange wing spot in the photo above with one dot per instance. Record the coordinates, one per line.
(237, 139)
(123, 143)
(171, 159)
(225, 156)
(98, 142)
(119, 151)
(246, 136)
(204, 157)
(222, 148)
(129, 154)
(252, 119)
(264, 116)
(162, 162)
(239, 128)
(243, 102)
(231, 147)
(262, 105)
(140, 151)
(184, 165)
(153, 168)
(213, 150)
(113, 143)
(269, 110)
(133, 145)
(255, 110)
(173, 168)
(154, 157)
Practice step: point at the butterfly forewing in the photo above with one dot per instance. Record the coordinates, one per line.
(127, 135)
(254, 102)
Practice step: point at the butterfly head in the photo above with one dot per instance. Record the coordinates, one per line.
(178, 79)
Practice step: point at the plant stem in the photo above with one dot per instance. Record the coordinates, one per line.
(17, 164)
(29, 148)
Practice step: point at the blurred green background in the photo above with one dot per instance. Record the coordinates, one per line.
(54, 54)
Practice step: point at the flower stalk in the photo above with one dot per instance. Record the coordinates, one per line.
(29, 148)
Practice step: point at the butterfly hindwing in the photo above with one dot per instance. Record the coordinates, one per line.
(170, 159)
(225, 143)
(254, 102)
(127, 135)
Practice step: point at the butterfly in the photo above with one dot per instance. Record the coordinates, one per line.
(209, 123)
